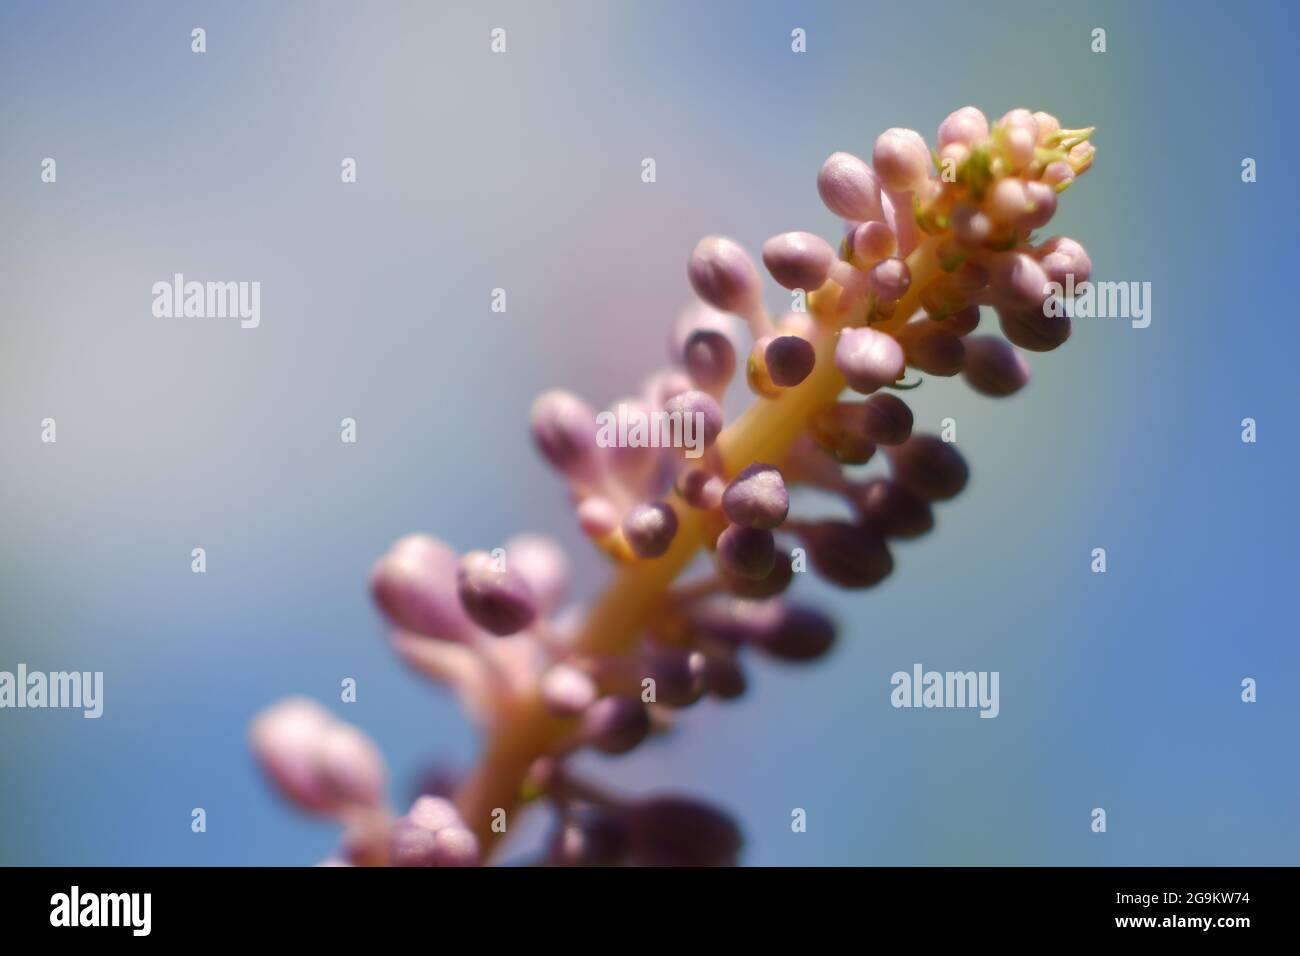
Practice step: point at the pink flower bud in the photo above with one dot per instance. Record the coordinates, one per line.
(414, 584)
(993, 367)
(849, 188)
(967, 126)
(868, 359)
(798, 260)
(724, 276)
(889, 279)
(901, 160)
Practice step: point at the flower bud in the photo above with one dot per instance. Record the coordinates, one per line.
(567, 690)
(494, 594)
(967, 126)
(868, 359)
(678, 675)
(746, 552)
(564, 430)
(1033, 329)
(873, 241)
(698, 407)
(757, 497)
(414, 584)
(889, 279)
(993, 367)
(849, 188)
(674, 831)
(724, 276)
(901, 160)
(650, 529)
(710, 360)
(773, 583)
(790, 359)
(935, 350)
(544, 567)
(1061, 257)
(889, 509)
(929, 468)
(432, 834)
(798, 260)
(852, 556)
(700, 489)
(616, 724)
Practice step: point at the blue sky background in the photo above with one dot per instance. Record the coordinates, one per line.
(522, 171)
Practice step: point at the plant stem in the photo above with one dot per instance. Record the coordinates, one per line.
(615, 622)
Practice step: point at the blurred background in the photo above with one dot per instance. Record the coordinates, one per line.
(522, 171)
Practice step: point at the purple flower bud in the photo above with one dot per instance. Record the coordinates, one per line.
(675, 831)
(1032, 329)
(964, 322)
(723, 676)
(886, 419)
(889, 279)
(901, 160)
(616, 724)
(543, 566)
(868, 359)
(710, 359)
(935, 350)
(993, 367)
(589, 837)
(929, 468)
(889, 509)
(967, 126)
(564, 429)
(773, 583)
(351, 767)
(494, 594)
(678, 675)
(849, 188)
(1020, 278)
(746, 552)
(432, 834)
(799, 260)
(567, 690)
(414, 584)
(757, 497)
(650, 528)
(850, 555)
(790, 360)
(696, 317)
(793, 633)
(873, 241)
(839, 430)
(692, 403)
(724, 276)
(323, 765)
(700, 489)
(1060, 257)
(1042, 205)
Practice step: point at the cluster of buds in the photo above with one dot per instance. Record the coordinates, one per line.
(930, 237)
